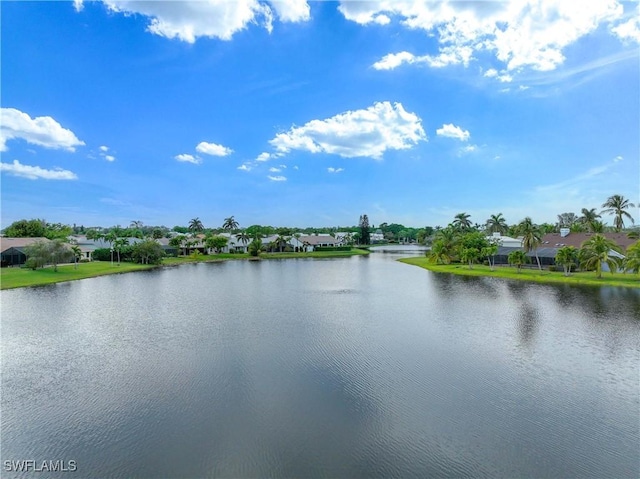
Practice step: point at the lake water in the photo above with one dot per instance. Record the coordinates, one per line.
(354, 367)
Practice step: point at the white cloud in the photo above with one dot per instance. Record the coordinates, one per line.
(519, 33)
(617, 159)
(629, 30)
(451, 131)
(447, 56)
(273, 169)
(359, 133)
(43, 131)
(283, 166)
(335, 170)
(277, 178)
(501, 77)
(468, 149)
(246, 167)
(109, 158)
(35, 172)
(104, 148)
(188, 20)
(188, 159)
(292, 10)
(213, 149)
(263, 157)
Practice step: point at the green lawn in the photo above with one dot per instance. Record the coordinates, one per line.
(20, 277)
(535, 275)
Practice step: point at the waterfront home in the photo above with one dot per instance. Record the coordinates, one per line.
(12, 250)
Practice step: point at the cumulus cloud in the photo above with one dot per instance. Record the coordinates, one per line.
(451, 131)
(246, 167)
(447, 56)
(501, 77)
(263, 157)
(35, 172)
(335, 170)
(42, 131)
(519, 33)
(110, 158)
(104, 148)
(273, 169)
(359, 133)
(213, 149)
(188, 20)
(188, 159)
(277, 178)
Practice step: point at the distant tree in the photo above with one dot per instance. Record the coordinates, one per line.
(254, 231)
(216, 242)
(38, 254)
(94, 234)
(230, 224)
(596, 251)
(365, 234)
(26, 229)
(497, 224)
(469, 255)
(461, 221)
(181, 229)
(531, 237)
(565, 220)
(196, 226)
(136, 225)
(490, 252)
(77, 254)
(176, 241)
(118, 244)
(632, 258)
(617, 205)
(243, 237)
(156, 233)
(567, 256)
(255, 247)
(517, 258)
(147, 252)
(589, 218)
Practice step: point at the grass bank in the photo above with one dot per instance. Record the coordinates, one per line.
(22, 277)
(533, 275)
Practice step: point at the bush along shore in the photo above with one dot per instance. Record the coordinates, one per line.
(630, 280)
(23, 277)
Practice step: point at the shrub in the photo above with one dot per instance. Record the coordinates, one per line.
(333, 248)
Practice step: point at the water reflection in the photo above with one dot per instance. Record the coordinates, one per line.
(344, 368)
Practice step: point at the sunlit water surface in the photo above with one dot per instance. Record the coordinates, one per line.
(355, 367)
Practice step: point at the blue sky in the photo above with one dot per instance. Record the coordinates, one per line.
(296, 113)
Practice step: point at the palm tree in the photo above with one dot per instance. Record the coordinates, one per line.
(281, 241)
(461, 221)
(632, 259)
(77, 253)
(596, 251)
(196, 226)
(497, 224)
(517, 258)
(616, 205)
(230, 224)
(531, 237)
(589, 218)
(243, 237)
(136, 225)
(567, 257)
(118, 244)
(490, 252)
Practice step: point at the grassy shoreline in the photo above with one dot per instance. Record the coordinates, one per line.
(532, 275)
(11, 278)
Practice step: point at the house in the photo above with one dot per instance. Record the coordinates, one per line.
(12, 250)
(506, 241)
(312, 242)
(552, 242)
